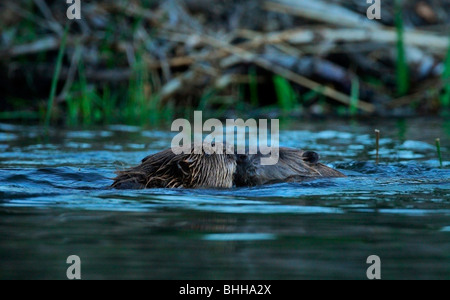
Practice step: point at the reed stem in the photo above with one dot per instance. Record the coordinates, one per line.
(377, 136)
(438, 147)
(51, 98)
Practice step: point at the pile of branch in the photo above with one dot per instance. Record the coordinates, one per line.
(195, 45)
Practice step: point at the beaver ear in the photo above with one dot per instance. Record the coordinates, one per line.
(184, 167)
(311, 157)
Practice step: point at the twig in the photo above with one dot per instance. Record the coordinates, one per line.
(288, 74)
(377, 137)
(306, 36)
(134, 10)
(45, 10)
(44, 44)
(319, 10)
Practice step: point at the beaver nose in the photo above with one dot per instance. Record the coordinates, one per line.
(311, 157)
(242, 158)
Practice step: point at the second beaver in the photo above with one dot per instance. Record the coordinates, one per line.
(167, 170)
(293, 166)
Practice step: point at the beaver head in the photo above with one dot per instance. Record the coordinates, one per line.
(292, 165)
(167, 170)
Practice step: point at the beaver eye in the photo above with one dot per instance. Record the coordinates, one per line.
(311, 157)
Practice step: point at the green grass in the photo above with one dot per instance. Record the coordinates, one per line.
(54, 85)
(86, 99)
(87, 106)
(134, 103)
(143, 104)
(354, 97)
(286, 96)
(438, 148)
(402, 69)
(72, 110)
(310, 95)
(109, 102)
(445, 97)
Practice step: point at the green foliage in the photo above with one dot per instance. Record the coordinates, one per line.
(287, 97)
(90, 104)
(354, 98)
(438, 148)
(402, 69)
(445, 97)
(51, 98)
(310, 95)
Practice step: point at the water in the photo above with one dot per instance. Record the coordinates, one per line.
(55, 202)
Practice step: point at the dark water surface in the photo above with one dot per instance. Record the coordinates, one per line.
(54, 202)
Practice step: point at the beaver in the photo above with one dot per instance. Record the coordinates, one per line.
(293, 166)
(168, 170)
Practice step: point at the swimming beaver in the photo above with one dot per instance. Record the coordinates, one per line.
(293, 166)
(168, 170)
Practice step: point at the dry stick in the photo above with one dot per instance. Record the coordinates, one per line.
(377, 135)
(321, 11)
(17, 10)
(288, 74)
(438, 147)
(134, 10)
(359, 29)
(305, 36)
(47, 13)
(42, 45)
(45, 44)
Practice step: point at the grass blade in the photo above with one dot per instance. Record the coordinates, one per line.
(51, 99)
(285, 93)
(438, 148)
(354, 98)
(445, 97)
(402, 68)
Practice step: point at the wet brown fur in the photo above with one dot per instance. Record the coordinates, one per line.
(293, 166)
(168, 170)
